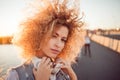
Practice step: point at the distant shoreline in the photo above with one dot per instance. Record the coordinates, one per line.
(107, 33)
(5, 40)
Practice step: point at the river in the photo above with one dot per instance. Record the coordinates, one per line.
(9, 57)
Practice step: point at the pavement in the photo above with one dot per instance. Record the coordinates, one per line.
(104, 64)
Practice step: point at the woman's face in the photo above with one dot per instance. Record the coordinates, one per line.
(56, 42)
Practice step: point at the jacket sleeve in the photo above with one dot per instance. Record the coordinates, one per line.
(12, 75)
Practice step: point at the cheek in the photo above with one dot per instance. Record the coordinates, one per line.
(51, 42)
(62, 45)
(47, 46)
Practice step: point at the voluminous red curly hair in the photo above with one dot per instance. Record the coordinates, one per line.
(36, 30)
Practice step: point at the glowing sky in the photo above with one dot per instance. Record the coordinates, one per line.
(98, 14)
(102, 13)
(10, 15)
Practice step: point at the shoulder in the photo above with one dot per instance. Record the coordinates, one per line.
(12, 75)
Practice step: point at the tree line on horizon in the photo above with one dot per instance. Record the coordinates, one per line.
(5, 40)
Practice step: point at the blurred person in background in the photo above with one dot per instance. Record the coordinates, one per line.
(87, 44)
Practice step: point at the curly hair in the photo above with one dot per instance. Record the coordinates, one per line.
(36, 30)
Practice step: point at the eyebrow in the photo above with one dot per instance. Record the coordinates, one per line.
(58, 35)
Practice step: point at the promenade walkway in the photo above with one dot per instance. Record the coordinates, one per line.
(104, 64)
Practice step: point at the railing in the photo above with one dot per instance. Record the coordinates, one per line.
(107, 42)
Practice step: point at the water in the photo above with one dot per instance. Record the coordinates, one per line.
(9, 57)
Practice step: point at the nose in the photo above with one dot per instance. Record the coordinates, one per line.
(58, 43)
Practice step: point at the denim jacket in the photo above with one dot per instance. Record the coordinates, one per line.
(25, 73)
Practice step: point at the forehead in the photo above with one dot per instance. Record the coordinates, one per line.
(60, 29)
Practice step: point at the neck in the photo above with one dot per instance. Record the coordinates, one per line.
(39, 54)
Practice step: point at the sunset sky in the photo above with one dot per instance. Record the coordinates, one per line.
(102, 13)
(98, 14)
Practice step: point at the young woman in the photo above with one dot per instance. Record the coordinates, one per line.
(50, 41)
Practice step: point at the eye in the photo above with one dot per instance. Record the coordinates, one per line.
(54, 36)
(64, 40)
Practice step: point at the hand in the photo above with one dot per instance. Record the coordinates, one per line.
(44, 70)
(66, 67)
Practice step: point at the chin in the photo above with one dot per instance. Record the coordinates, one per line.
(53, 57)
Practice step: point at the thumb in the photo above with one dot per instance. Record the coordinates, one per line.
(34, 71)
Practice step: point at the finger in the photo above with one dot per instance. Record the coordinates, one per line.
(50, 65)
(34, 71)
(43, 59)
(51, 69)
(61, 61)
(64, 62)
(48, 61)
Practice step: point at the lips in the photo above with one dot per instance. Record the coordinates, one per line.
(55, 51)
